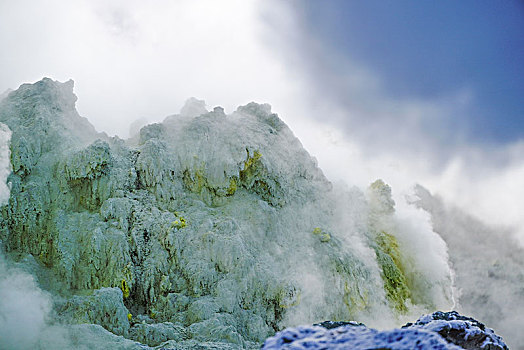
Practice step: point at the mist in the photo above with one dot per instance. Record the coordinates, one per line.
(487, 264)
(135, 62)
(139, 62)
(24, 308)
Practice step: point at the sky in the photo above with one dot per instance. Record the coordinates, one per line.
(429, 49)
(407, 91)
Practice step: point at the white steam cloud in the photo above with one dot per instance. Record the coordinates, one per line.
(23, 305)
(134, 60)
(24, 308)
(5, 163)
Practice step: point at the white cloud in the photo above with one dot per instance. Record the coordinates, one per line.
(133, 59)
(24, 308)
(358, 132)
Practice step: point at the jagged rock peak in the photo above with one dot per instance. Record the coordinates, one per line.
(45, 111)
(193, 108)
(48, 91)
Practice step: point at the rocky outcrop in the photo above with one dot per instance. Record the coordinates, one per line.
(104, 307)
(440, 330)
(206, 228)
(463, 331)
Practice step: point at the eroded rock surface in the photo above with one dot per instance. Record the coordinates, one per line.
(207, 229)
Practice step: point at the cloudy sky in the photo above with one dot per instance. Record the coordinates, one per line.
(408, 91)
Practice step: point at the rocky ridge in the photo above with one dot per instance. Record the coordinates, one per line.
(207, 229)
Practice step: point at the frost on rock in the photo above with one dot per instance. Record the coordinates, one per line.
(440, 330)
(358, 338)
(463, 331)
(211, 228)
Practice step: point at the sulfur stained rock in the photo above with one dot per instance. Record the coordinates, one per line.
(204, 221)
(104, 307)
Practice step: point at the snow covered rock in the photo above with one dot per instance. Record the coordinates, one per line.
(440, 330)
(463, 331)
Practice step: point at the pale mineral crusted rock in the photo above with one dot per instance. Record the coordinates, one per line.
(206, 228)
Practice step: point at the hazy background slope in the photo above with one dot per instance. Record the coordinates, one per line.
(488, 267)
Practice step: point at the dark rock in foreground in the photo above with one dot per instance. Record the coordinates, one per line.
(336, 324)
(464, 331)
(440, 330)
